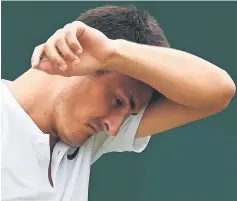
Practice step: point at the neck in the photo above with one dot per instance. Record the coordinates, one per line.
(35, 92)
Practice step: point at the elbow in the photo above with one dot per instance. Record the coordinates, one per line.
(225, 92)
(227, 96)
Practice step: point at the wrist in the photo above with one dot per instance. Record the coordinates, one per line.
(115, 55)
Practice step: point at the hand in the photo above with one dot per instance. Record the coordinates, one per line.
(77, 49)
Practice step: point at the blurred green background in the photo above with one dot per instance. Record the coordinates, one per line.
(195, 162)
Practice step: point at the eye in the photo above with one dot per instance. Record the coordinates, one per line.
(118, 102)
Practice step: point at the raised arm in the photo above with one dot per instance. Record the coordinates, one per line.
(193, 87)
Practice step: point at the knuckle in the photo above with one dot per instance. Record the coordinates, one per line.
(69, 29)
(59, 31)
(34, 54)
(57, 35)
(38, 47)
(77, 23)
(47, 46)
(33, 58)
(67, 26)
(73, 45)
(67, 55)
(58, 41)
(68, 33)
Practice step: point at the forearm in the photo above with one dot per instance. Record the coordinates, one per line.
(180, 76)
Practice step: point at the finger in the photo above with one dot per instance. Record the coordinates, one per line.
(47, 67)
(36, 56)
(65, 51)
(71, 38)
(80, 28)
(53, 56)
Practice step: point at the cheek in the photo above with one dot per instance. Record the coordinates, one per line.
(92, 102)
(99, 102)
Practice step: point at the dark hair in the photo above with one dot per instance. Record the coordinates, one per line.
(128, 23)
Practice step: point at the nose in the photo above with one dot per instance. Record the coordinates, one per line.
(112, 123)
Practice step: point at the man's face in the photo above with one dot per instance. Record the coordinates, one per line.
(90, 104)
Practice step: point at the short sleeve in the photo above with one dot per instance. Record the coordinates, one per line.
(124, 141)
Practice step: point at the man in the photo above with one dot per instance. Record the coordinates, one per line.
(108, 81)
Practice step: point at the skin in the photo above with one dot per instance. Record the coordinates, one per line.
(79, 107)
(193, 88)
(105, 101)
(73, 109)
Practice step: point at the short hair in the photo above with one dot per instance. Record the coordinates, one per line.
(128, 23)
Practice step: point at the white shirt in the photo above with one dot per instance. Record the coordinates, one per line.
(25, 157)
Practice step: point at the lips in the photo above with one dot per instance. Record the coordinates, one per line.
(95, 127)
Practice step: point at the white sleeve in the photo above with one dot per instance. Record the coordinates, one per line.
(124, 141)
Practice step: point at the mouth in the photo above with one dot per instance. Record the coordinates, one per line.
(96, 128)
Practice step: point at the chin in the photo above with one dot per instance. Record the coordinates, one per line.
(70, 142)
(74, 137)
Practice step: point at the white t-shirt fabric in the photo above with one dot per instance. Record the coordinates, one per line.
(25, 156)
